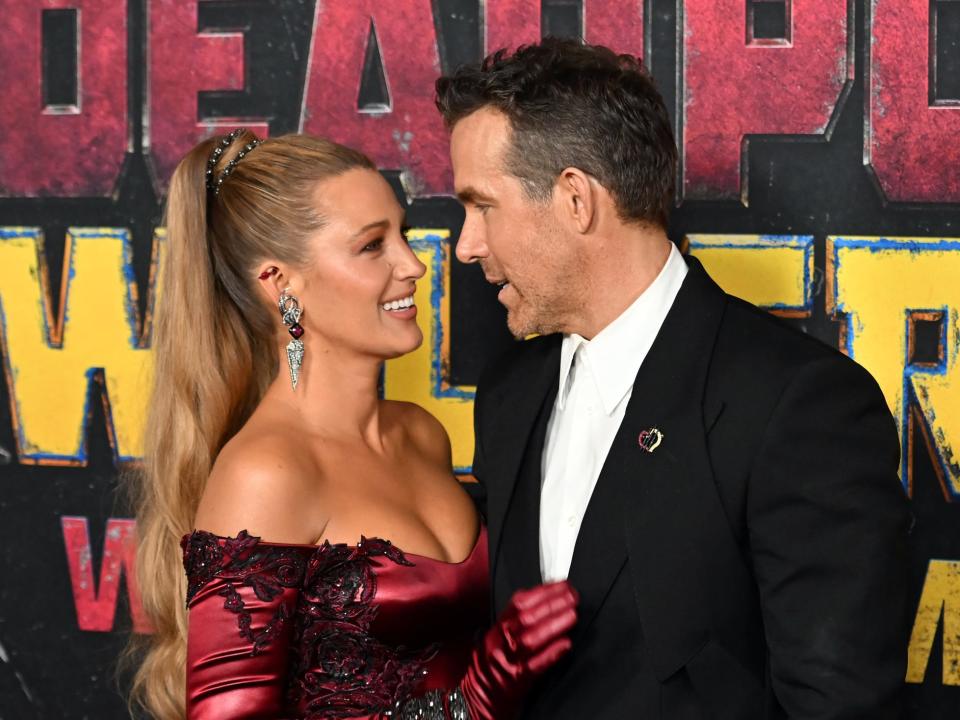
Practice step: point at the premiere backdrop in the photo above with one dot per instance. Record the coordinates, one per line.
(820, 178)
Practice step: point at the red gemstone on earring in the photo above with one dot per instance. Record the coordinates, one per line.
(296, 330)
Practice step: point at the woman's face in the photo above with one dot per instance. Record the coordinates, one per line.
(357, 292)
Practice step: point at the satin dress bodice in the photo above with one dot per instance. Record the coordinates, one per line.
(325, 631)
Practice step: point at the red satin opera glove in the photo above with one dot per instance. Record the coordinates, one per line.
(530, 636)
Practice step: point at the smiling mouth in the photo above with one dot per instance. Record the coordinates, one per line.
(398, 305)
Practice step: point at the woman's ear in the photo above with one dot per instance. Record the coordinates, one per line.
(577, 193)
(273, 279)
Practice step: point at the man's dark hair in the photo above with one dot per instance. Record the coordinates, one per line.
(575, 105)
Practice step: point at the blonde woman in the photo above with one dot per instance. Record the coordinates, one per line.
(334, 566)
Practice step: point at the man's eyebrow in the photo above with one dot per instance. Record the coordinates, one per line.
(470, 194)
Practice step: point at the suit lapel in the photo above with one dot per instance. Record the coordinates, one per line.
(654, 507)
(678, 539)
(520, 559)
(518, 405)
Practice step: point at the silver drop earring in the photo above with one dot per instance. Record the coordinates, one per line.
(290, 312)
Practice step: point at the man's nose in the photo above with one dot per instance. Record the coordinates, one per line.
(471, 246)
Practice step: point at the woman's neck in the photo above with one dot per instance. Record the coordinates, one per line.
(336, 394)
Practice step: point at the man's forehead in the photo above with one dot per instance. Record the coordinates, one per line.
(481, 134)
(478, 143)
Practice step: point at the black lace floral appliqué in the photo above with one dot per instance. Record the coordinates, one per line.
(341, 669)
(338, 668)
(243, 561)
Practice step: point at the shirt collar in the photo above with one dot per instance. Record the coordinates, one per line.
(568, 349)
(614, 356)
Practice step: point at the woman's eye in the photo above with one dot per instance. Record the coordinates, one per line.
(373, 245)
(405, 230)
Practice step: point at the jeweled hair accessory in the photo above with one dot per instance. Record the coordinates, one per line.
(290, 312)
(214, 185)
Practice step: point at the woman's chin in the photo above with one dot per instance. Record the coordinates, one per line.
(416, 340)
(404, 346)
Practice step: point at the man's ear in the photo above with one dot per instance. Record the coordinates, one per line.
(577, 193)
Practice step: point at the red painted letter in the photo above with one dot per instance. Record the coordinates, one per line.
(408, 133)
(618, 25)
(734, 88)
(65, 149)
(182, 63)
(97, 606)
(911, 142)
(510, 23)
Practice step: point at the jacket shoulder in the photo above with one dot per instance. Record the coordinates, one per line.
(760, 354)
(751, 336)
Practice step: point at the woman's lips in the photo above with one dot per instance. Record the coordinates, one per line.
(407, 313)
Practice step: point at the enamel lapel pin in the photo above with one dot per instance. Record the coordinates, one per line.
(650, 439)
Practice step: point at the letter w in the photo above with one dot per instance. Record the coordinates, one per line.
(97, 604)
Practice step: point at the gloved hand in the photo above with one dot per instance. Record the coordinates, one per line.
(529, 637)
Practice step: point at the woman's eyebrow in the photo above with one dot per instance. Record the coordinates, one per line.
(383, 224)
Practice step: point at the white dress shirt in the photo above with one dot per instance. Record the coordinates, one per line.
(596, 381)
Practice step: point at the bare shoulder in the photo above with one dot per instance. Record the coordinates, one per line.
(262, 483)
(423, 429)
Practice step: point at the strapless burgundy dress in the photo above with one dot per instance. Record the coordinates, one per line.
(314, 632)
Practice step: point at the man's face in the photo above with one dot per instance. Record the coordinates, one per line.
(519, 243)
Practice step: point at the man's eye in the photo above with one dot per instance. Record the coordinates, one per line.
(482, 209)
(373, 245)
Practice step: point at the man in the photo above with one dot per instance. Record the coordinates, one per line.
(721, 489)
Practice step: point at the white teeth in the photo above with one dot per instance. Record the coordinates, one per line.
(399, 304)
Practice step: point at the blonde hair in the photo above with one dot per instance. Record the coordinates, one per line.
(215, 354)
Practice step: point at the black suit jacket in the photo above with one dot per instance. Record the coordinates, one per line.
(753, 565)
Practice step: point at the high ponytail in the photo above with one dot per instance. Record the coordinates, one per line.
(214, 349)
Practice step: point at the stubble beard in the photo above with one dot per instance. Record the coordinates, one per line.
(547, 306)
(539, 314)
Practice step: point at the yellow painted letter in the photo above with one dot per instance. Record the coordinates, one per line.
(50, 362)
(940, 598)
(879, 288)
(771, 271)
